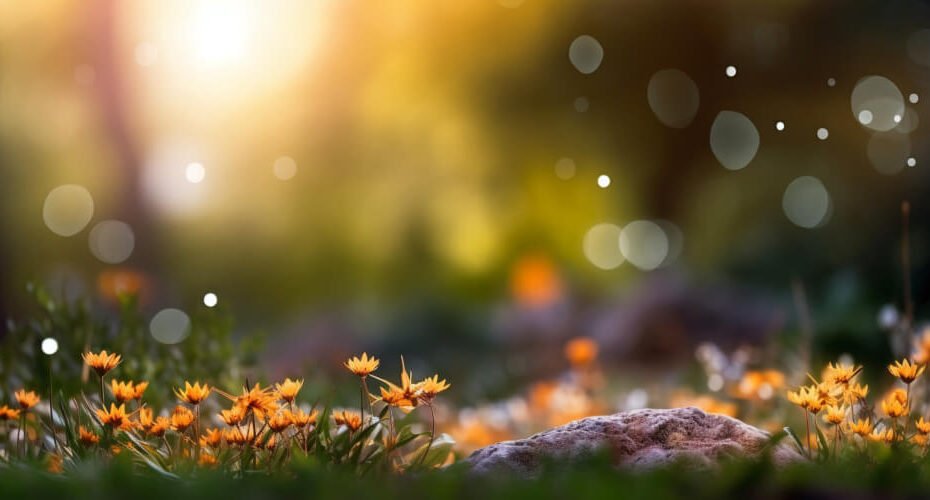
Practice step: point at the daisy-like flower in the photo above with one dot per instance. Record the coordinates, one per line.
(160, 426)
(145, 418)
(405, 395)
(260, 402)
(181, 418)
(894, 407)
(301, 419)
(860, 427)
(279, 422)
(350, 419)
(362, 366)
(581, 351)
(288, 389)
(115, 417)
(233, 416)
(430, 387)
(854, 393)
(87, 437)
(840, 374)
(193, 394)
(207, 460)
(101, 362)
(906, 371)
(799, 398)
(139, 390)
(834, 414)
(923, 426)
(235, 436)
(882, 436)
(122, 391)
(26, 399)
(919, 439)
(211, 438)
(7, 413)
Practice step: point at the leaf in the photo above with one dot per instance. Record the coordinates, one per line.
(437, 454)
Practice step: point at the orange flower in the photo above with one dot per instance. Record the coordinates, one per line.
(362, 366)
(122, 391)
(394, 396)
(581, 351)
(115, 418)
(211, 438)
(349, 419)
(160, 426)
(145, 418)
(893, 407)
(919, 439)
(301, 419)
(288, 389)
(7, 413)
(923, 426)
(101, 362)
(233, 416)
(193, 394)
(906, 371)
(139, 389)
(835, 414)
(840, 374)
(26, 399)
(235, 436)
(855, 393)
(181, 418)
(87, 437)
(404, 396)
(261, 402)
(860, 427)
(279, 422)
(431, 386)
(207, 460)
(921, 352)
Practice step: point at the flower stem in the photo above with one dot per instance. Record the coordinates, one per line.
(432, 433)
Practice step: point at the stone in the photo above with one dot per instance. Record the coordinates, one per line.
(636, 440)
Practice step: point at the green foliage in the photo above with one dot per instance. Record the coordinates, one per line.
(208, 353)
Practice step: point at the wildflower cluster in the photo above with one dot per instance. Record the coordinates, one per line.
(841, 403)
(259, 427)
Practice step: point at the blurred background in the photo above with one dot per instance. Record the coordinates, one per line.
(475, 183)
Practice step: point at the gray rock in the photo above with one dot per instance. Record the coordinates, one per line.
(637, 440)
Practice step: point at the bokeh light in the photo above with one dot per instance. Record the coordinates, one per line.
(779, 126)
(875, 102)
(823, 133)
(586, 54)
(49, 346)
(565, 168)
(195, 172)
(806, 202)
(581, 104)
(170, 326)
(731, 71)
(734, 139)
(644, 244)
(673, 97)
(601, 246)
(285, 168)
(68, 209)
(603, 180)
(210, 299)
(112, 241)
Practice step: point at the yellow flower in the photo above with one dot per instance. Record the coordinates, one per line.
(115, 417)
(431, 386)
(919, 439)
(233, 416)
(279, 422)
(7, 413)
(581, 351)
(288, 389)
(211, 438)
(54, 464)
(260, 402)
(159, 426)
(905, 370)
(87, 437)
(122, 391)
(301, 419)
(101, 362)
(139, 389)
(840, 374)
(835, 414)
(394, 396)
(855, 393)
(899, 395)
(860, 427)
(362, 366)
(26, 399)
(923, 426)
(181, 418)
(404, 396)
(207, 460)
(145, 418)
(235, 436)
(921, 353)
(350, 419)
(193, 394)
(893, 407)
(798, 398)
(878, 435)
